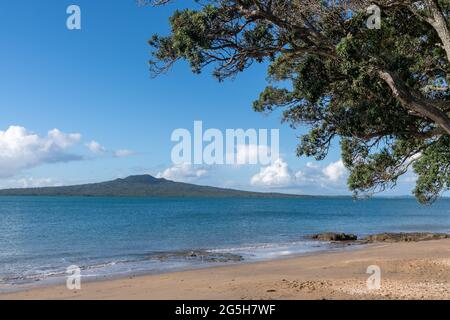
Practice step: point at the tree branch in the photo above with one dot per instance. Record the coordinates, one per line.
(417, 104)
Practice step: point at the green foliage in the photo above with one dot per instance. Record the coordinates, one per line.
(323, 71)
(433, 170)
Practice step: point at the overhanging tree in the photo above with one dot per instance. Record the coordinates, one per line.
(384, 92)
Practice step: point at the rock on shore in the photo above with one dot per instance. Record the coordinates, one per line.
(381, 237)
(333, 236)
(405, 237)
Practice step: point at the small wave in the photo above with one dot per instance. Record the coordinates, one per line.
(269, 251)
(25, 278)
(161, 261)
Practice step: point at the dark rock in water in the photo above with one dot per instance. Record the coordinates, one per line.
(332, 236)
(199, 255)
(405, 237)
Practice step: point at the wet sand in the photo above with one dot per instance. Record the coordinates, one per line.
(418, 270)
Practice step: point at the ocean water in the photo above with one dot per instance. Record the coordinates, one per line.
(41, 236)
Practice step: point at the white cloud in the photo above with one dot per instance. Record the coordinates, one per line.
(277, 174)
(37, 183)
(21, 149)
(100, 150)
(312, 165)
(96, 147)
(183, 172)
(61, 139)
(333, 175)
(123, 153)
(251, 153)
(335, 171)
(312, 175)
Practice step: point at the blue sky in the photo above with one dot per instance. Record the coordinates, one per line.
(94, 83)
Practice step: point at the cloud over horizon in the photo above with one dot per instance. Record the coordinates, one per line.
(279, 175)
(99, 150)
(185, 172)
(21, 149)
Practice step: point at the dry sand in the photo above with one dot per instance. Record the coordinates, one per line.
(419, 270)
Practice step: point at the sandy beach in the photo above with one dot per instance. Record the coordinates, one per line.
(413, 270)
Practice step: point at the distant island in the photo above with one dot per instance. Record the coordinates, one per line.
(142, 186)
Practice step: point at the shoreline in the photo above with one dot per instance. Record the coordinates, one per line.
(410, 270)
(60, 279)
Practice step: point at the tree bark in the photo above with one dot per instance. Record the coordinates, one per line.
(417, 104)
(439, 23)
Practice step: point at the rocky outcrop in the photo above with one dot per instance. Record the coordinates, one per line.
(333, 236)
(405, 237)
(381, 237)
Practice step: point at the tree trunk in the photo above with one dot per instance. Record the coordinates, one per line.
(417, 104)
(439, 23)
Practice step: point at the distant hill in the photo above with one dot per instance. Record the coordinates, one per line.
(140, 186)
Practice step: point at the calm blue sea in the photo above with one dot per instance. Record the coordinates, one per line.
(41, 236)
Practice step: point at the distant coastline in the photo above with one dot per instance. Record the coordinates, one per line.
(149, 186)
(144, 186)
